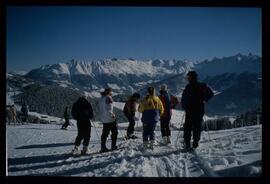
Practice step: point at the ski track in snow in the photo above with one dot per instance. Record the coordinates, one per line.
(44, 150)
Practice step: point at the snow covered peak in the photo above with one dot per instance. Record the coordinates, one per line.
(121, 66)
(19, 72)
(233, 64)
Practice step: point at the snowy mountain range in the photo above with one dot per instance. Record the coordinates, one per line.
(129, 75)
(121, 75)
(236, 79)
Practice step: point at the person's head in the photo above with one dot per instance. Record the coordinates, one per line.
(192, 76)
(84, 96)
(151, 91)
(108, 91)
(163, 87)
(137, 96)
(66, 107)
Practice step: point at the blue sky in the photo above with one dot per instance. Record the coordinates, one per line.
(46, 35)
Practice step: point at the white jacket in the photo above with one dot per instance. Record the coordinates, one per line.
(106, 109)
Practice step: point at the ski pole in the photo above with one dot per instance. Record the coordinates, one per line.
(138, 121)
(207, 128)
(96, 131)
(209, 139)
(119, 130)
(179, 129)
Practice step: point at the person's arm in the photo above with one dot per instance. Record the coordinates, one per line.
(74, 111)
(160, 107)
(109, 106)
(91, 115)
(133, 108)
(184, 99)
(141, 108)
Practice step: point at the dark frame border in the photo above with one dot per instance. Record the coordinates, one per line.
(134, 3)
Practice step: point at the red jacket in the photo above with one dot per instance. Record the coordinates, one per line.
(130, 107)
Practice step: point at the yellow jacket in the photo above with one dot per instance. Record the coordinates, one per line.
(151, 108)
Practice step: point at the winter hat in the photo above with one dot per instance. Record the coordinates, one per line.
(192, 74)
(163, 87)
(84, 96)
(136, 95)
(151, 90)
(107, 90)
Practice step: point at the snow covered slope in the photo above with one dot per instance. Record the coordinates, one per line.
(43, 150)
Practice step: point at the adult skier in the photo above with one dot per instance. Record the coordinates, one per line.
(129, 111)
(108, 119)
(194, 96)
(13, 112)
(8, 114)
(151, 108)
(66, 116)
(24, 111)
(82, 112)
(169, 102)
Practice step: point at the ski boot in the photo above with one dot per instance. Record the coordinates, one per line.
(75, 150)
(164, 140)
(131, 136)
(85, 150)
(195, 145)
(151, 145)
(169, 140)
(145, 145)
(103, 150)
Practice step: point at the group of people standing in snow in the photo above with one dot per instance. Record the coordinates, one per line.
(12, 116)
(154, 109)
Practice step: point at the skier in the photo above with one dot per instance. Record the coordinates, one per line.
(129, 111)
(13, 111)
(108, 119)
(8, 114)
(66, 116)
(169, 101)
(194, 96)
(82, 112)
(24, 111)
(151, 108)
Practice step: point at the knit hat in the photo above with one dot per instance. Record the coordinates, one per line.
(136, 95)
(163, 87)
(193, 76)
(151, 90)
(107, 90)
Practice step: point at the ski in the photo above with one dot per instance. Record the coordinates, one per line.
(131, 138)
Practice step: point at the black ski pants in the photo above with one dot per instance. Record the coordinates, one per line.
(84, 130)
(131, 125)
(165, 126)
(148, 131)
(107, 128)
(193, 123)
